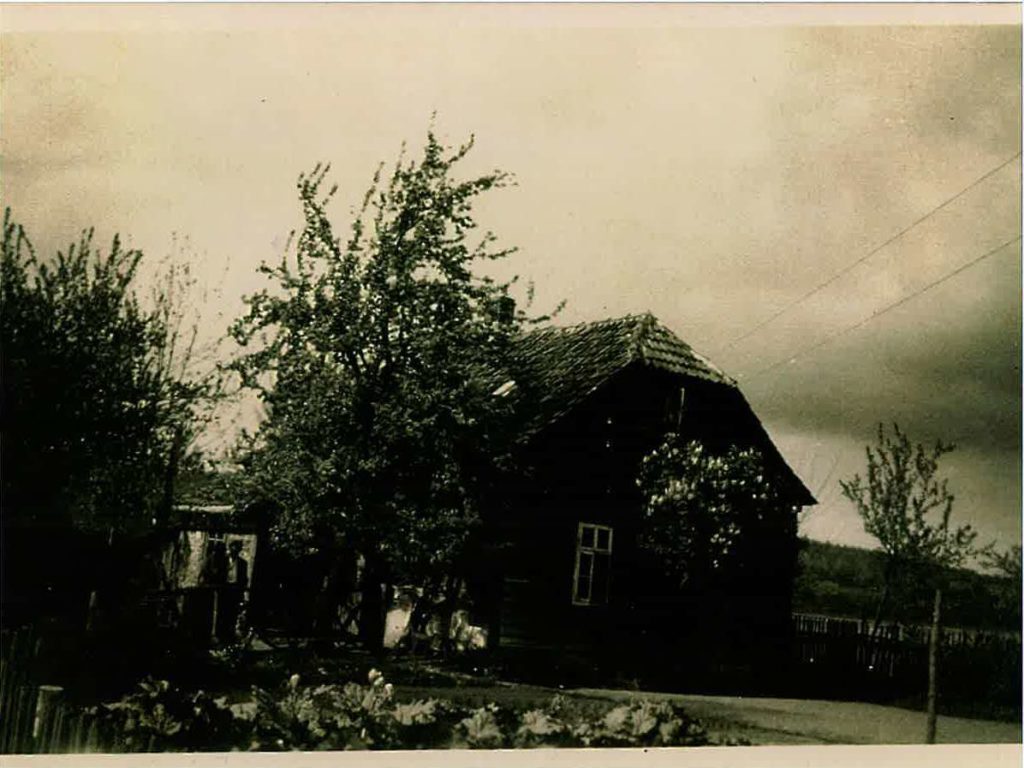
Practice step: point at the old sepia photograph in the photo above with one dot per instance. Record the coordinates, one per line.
(485, 376)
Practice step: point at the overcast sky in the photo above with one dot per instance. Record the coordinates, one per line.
(709, 165)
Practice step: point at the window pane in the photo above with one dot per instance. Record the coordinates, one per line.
(583, 577)
(603, 536)
(587, 538)
(674, 403)
(599, 586)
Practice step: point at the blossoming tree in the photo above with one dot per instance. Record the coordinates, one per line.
(372, 356)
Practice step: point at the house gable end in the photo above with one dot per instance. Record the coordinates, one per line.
(563, 369)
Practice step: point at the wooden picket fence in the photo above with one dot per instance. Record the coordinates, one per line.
(843, 654)
(826, 641)
(35, 718)
(835, 626)
(42, 724)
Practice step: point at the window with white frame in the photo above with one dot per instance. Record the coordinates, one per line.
(593, 564)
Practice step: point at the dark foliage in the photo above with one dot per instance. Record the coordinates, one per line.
(160, 717)
(97, 404)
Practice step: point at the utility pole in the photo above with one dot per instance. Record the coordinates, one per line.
(933, 664)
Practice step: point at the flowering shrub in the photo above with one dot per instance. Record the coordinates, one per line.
(703, 507)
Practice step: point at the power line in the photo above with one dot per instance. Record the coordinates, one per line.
(880, 312)
(871, 253)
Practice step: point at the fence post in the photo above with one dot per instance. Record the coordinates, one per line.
(92, 736)
(24, 711)
(934, 640)
(214, 614)
(47, 697)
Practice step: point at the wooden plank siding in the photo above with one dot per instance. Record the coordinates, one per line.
(583, 469)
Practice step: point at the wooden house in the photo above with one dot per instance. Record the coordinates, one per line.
(564, 572)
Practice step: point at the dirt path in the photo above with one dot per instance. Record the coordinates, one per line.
(801, 721)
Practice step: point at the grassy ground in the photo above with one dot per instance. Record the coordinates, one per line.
(761, 721)
(809, 721)
(755, 720)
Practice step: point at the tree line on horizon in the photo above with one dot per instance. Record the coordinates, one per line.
(846, 581)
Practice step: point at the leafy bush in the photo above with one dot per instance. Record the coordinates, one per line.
(160, 717)
(233, 656)
(350, 716)
(354, 716)
(647, 723)
(482, 728)
(636, 724)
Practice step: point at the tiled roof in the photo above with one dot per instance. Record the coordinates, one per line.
(565, 365)
(560, 367)
(198, 489)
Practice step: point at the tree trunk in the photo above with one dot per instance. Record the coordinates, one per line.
(445, 611)
(99, 585)
(420, 615)
(337, 584)
(166, 506)
(882, 605)
(92, 611)
(371, 605)
(889, 578)
(325, 606)
(933, 664)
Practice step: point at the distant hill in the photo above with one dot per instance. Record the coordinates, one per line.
(847, 581)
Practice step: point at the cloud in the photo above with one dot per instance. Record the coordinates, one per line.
(950, 371)
(711, 175)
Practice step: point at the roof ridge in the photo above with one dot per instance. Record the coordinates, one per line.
(632, 316)
(697, 355)
(637, 349)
